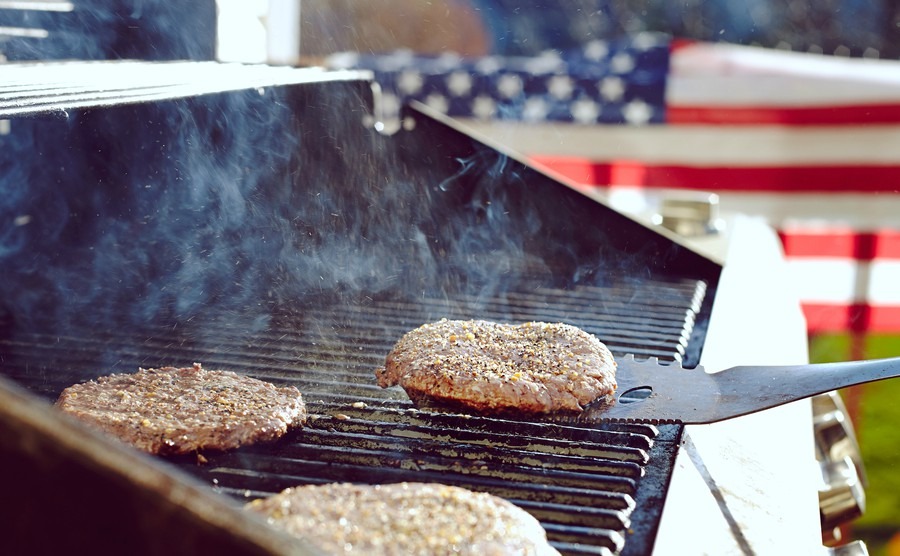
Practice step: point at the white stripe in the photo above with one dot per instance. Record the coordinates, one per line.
(790, 212)
(884, 287)
(732, 75)
(810, 211)
(844, 281)
(701, 145)
(749, 91)
(839, 281)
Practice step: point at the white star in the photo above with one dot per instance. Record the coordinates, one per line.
(596, 50)
(551, 56)
(612, 89)
(390, 105)
(622, 63)
(395, 61)
(637, 112)
(459, 83)
(438, 102)
(484, 107)
(585, 111)
(509, 85)
(343, 60)
(646, 41)
(535, 109)
(560, 86)
(410, 82)
(489, 64)
(547, 61)
(447, 60)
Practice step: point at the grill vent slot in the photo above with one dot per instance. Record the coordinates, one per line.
(589, 484)
(582, 489)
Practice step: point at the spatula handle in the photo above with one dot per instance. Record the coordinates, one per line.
(794, 382)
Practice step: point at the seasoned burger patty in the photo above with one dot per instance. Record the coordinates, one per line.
(172, 411)
(404, 518)
(492, 368)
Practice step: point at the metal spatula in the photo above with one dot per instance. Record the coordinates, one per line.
(654, 392)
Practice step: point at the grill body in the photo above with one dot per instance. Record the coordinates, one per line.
(270, 230)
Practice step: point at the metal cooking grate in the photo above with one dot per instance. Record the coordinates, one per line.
(597, 489)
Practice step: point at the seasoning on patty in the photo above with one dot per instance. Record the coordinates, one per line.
(491, 368)
(404, 518)
(172, 411)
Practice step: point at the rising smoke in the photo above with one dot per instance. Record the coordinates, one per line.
(233, 207)
(231, 210)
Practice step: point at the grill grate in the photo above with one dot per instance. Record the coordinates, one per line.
(591, 486)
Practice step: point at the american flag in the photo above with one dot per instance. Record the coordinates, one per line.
(807, 141)
(605, 82)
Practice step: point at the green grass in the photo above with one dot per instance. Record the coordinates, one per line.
(875, 410)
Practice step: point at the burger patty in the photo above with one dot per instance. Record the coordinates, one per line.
(172, 411)
(491, 368)
(404, 518)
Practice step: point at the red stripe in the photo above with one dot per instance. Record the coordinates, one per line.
(825, 243)
(849, 178)
(678, 44)
(888, 245)
(828, 115)
(821, 318)
(841, 242)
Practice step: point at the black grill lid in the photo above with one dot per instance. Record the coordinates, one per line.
(277, 235)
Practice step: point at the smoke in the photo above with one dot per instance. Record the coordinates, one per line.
(141, 214)
(214, 215)
(115, 29)
(228, 209)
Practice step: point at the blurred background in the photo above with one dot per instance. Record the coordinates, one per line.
(839, 234)
(807, 111)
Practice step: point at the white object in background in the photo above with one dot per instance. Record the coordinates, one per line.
(241, 31)
(748, 485)
(283, 32)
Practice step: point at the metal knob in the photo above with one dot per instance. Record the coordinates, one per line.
(834, 435)
(855, 548)
(690, 214)
(844, 499)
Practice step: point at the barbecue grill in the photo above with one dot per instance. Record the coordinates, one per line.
(254, 219)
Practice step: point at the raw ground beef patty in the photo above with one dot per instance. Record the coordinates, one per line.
(172, 411)
(404, 518)
(491, 368)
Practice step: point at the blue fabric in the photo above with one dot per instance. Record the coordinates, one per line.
(610, 82)
(522, 28)
(851, 27)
